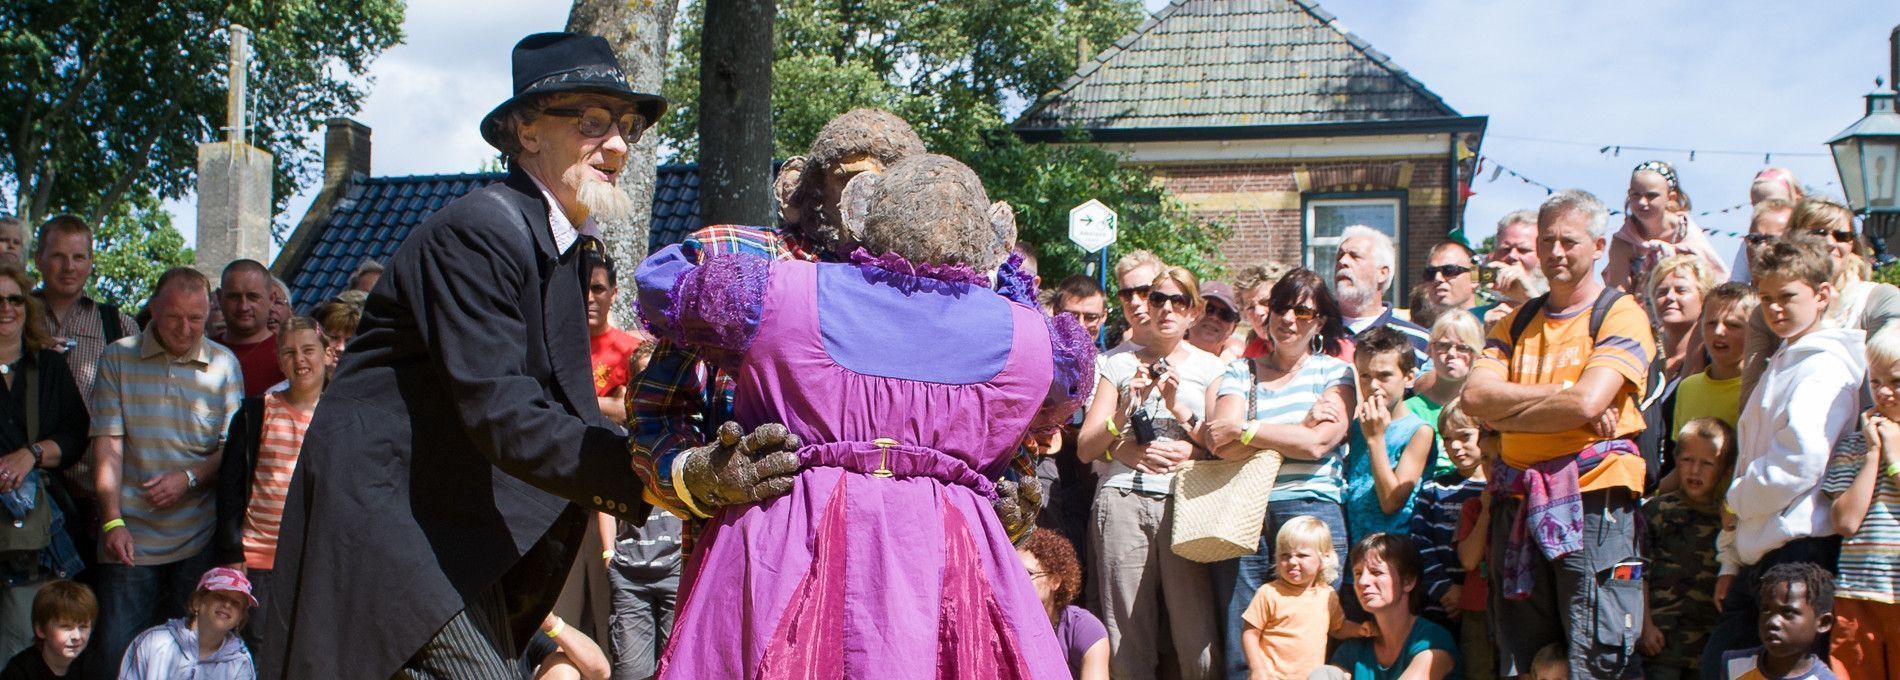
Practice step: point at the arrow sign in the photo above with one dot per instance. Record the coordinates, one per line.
(1092, 226)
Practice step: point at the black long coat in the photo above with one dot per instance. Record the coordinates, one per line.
(459, 433)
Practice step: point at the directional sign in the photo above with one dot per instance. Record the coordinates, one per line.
(1092, 226)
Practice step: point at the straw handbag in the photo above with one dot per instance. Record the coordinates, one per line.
(1220, 505)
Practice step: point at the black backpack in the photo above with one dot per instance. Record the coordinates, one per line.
(1654, 435)
(109, 326)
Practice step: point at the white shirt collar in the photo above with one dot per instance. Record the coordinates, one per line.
(564, 231)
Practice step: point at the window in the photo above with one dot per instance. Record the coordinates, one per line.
(1328, 215)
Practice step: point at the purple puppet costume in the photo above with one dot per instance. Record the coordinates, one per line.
(912, 385)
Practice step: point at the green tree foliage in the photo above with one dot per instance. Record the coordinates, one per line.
(954, 70)
(132, 246)
(106, 100)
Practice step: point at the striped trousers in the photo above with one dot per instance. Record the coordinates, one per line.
(475, 645)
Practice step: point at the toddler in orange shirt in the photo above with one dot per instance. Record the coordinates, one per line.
(1289, 618)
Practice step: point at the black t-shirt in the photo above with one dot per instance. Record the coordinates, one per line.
(28, 665)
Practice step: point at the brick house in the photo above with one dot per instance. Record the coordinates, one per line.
(1270, 116)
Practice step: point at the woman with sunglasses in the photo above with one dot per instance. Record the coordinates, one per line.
(1293, 400)
(38, 386)
(1147, 405)
(1859, 303)
(1657, 227)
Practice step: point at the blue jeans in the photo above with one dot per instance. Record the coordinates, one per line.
(132, 599)
(1236, 580)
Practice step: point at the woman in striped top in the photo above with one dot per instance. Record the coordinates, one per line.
(1291, 400)
(303, 356)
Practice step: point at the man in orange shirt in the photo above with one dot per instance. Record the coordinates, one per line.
(1564, 400)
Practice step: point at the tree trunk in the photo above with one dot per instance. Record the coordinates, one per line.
(735, 120)
(640, 31)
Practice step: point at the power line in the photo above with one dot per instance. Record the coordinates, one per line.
(1614, 150)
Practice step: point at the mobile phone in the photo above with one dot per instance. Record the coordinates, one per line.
(1143, 425)
(1487, 274)
(1628, 570)
(1160, 368)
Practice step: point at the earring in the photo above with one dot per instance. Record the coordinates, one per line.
(1317, 345)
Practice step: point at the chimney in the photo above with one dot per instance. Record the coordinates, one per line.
(234, 180)
(345, 152)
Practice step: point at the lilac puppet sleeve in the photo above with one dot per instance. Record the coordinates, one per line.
(1074, 378)
(714, 306)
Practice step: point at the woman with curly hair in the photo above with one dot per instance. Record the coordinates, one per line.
(1058, 579)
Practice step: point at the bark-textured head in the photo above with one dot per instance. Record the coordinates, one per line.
(809, 187)
(930, 209)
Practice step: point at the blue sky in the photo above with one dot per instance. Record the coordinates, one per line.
(1558, 81)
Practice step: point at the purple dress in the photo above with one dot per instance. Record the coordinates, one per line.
(886, 559)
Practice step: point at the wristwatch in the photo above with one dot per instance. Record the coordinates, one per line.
(191, 479)
(39, 453)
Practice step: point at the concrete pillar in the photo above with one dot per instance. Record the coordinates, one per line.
(234, 205)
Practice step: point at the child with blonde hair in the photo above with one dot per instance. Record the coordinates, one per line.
(1679, 540)
(1862, 484)
(1290, 618)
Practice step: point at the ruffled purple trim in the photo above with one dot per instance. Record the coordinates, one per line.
(1015, 282)
(893, 262)
(717, 306)
(1073, 380)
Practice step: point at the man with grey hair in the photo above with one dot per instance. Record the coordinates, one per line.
(1363, 269)
(448, 478)
(1512, 261)
(1561, 380)
(367, 273)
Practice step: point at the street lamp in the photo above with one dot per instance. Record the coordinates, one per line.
(1867, 153)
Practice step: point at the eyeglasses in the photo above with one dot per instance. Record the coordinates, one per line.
(1446, 270)
(1301, 312)
(594, 122)
(1221, 311)
(1758, 239)
(16, 300)
(1086, 317)
(1842, 235)
(1128, 295)
(1159, 299)
(1448, 346)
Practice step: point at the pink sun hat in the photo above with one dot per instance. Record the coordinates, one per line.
(227, 579)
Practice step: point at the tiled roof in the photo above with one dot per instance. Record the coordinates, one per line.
(1221, 63)
(375, 214)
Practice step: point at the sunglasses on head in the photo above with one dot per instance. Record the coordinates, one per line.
(1446, 270)
(1221, 311)
(1128, 295)
(1842, 235)
(1301, 312)
(1159, 299)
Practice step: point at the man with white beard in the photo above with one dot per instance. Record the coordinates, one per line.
(1362, 272)
(449, 474)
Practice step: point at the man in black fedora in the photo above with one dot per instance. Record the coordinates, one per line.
(447, 477)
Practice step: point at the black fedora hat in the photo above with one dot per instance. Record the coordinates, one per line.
(552, 63)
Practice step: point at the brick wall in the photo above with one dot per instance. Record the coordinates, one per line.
(1261, 201)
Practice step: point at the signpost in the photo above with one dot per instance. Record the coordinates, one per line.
(1093, 226)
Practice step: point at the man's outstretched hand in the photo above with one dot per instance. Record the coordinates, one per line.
(1017, 504)
(738, 468)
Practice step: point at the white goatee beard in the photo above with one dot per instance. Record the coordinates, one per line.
(604, 201)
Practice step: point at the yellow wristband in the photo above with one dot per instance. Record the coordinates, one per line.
(1113, 431)
(1253, 428)
(607, 554)
(114, 524)
(685, 494)
(558, 626)
(1892, 470)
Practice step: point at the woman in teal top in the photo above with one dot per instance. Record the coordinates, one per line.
(1386, 573)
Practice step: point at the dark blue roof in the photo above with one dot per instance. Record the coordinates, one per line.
(375, 214)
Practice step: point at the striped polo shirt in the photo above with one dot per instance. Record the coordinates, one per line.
(1299, 479)
(172, 412)
(277, 449)
(1870, 559)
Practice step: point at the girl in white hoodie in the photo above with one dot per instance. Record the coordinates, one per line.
(202, 646)
(1807, 400)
